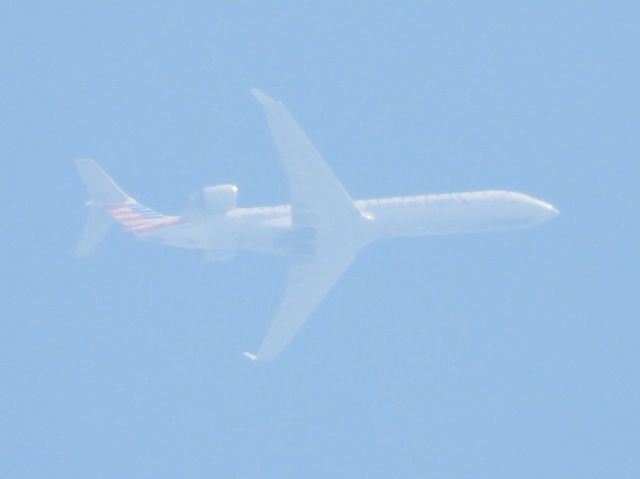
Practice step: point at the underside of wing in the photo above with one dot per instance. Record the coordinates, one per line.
(323, 236)
(317, 196)
(308, 282)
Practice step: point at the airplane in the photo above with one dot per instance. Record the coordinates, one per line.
(321, 231)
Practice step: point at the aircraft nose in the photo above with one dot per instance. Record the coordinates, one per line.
(549, 211)
(540, 210)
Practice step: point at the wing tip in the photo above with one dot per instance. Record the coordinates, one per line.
(250, 356)
(262, 97)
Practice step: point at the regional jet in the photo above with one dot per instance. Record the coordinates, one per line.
(321, 231)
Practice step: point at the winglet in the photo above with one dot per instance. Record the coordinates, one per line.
(250, 357)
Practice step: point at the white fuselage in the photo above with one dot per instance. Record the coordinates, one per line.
(262, 229)
(321, 231)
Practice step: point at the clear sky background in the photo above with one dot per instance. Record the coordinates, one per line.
(497, 355)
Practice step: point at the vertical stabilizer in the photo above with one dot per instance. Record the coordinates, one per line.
(104, 193)
(110, 205)
(102, 189)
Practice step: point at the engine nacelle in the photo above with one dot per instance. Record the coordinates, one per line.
(216, 199)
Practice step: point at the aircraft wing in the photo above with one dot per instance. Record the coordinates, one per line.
(317, 196)
(310, 279)
(319, 202)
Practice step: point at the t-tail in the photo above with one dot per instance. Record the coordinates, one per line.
(110, 205)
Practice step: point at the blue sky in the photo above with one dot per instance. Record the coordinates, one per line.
(498, 355)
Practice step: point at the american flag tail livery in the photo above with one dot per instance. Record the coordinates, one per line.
(110, 205)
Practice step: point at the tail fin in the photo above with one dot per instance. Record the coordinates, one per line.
(103, 190)
(105, 194)
(108, 203)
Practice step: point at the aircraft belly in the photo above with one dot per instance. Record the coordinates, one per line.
(261, 236)
(187, 235)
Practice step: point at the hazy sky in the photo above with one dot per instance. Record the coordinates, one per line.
(497, 355)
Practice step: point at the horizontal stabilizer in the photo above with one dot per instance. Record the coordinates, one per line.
(98, 224)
